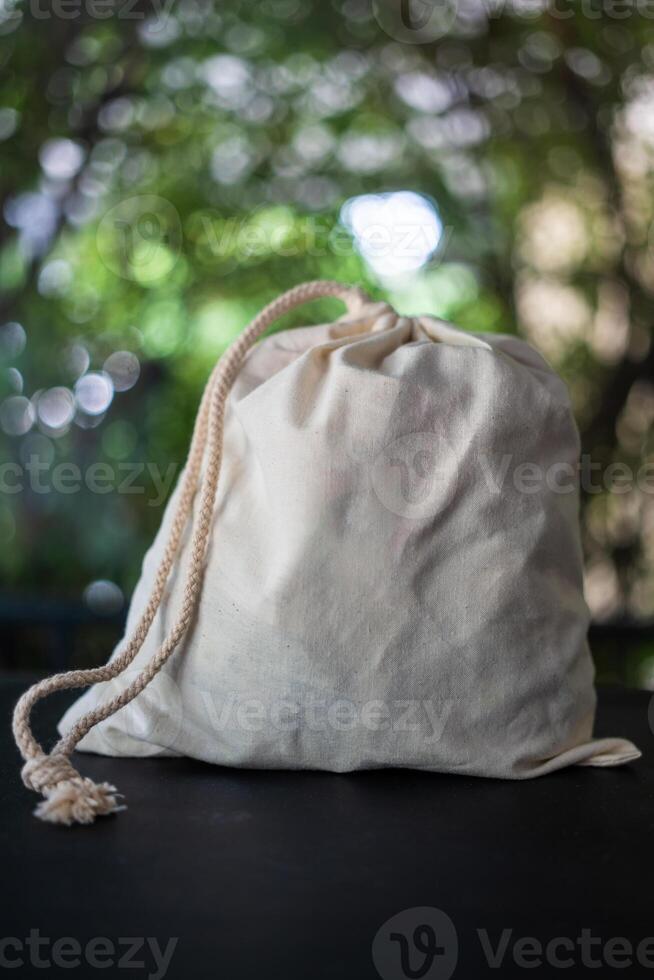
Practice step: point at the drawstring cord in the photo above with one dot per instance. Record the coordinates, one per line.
(69, 797)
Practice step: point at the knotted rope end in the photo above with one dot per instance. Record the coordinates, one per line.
(78, 801)
(68, 797)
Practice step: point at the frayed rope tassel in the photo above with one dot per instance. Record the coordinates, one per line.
(69, 797)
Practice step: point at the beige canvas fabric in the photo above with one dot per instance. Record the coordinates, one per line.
(389, 582)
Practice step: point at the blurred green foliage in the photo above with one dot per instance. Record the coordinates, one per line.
(169, 168)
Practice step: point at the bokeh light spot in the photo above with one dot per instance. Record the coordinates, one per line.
(103, 597)
(12, 340)
(94, 392)
(16, 415)
(61, 159)
(56, 408)
(123, 368)
(396, 232)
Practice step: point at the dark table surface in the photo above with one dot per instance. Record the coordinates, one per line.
(260, 874)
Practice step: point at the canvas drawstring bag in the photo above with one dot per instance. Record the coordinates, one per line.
(371, 559)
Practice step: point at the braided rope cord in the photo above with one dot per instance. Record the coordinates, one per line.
(45, 772)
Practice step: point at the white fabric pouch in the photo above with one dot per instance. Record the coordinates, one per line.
(391, 573)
